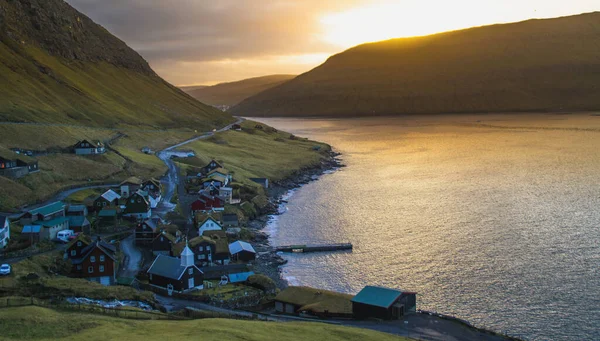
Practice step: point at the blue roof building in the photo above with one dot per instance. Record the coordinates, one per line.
(383, 303)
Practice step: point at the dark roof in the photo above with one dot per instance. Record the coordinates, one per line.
(377, 296)
(48, 209)
(169, 267)
(78, 221)
(76, 208)
(230, 218)
(108, 249)
(52, 222)
(107, 213)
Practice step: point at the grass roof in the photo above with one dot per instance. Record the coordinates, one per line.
(316, 300)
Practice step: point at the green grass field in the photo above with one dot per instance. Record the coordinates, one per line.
(35, 323)
(254, 153)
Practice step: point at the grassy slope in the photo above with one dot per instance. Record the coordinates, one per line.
(62, 170)
(258, 153)
(30, 323)
(234, 92)
(537, 65)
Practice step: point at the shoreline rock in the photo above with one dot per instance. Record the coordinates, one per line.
(269, 262)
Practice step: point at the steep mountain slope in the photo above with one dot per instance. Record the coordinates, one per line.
(536, 65)
(230, 94)
(57, 65)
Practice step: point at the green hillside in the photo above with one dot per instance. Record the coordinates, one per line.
(34, 323)
(230, 94)
(536, 65)
(58, 66)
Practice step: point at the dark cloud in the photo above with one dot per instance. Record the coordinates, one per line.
(205, 30)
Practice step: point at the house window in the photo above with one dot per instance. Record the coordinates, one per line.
(101, 268)
(93, 259)
(190, 271)
(90, 269)
(208, 248)
(103, 204)
(201, 257)
(102, 258)
(73, 252)
(200, 248)
(78, 267)
(78, 243)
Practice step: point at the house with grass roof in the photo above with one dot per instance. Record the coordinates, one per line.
(210, 249)
(13, 165)
(213, 164)
(163, 243)
(130, 186)
(145, 232)
(383, 303)
(209, 223)
(311, 301)
(136, 206)
(85, 147)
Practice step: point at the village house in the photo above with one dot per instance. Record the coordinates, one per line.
(163, 243)
(31, 233)
(145, 232)
(175, 274)
(317, 302)
(226, 193)
(108, 199)
(76, 246)
(13, 165)
(242, 252)
(152, 187)
(216, 182)
(108, 217)
(51, 217)
(208, 203)
(209, 224)
(210, 166)
(230, 220)
(78, 221)
(137, 207)
(96, 262)
(383, 303)
(4, 231)
(264, 182)
(219, 172)
(85, 147)
(130, 186)
(209, 249)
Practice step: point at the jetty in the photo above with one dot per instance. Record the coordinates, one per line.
(314, 248)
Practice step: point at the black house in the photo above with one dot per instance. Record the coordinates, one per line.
(176, 275)
(383, 303)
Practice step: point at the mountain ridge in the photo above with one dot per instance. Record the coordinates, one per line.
(231, 93)
(57, 65)
(534, 65)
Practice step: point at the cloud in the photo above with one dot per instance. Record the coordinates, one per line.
(198, 30)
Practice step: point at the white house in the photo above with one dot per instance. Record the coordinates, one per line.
(226, 193)
(4, 232)
(209, 224)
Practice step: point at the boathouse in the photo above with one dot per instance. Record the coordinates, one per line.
(383, 303)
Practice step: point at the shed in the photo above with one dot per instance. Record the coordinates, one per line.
(242, 251)
(31, 233)
(383, 303)
(230, 220)
(79, 224)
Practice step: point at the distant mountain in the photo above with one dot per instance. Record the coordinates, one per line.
(192, 87)
(57, 65)
(230, 94)
(535, 65)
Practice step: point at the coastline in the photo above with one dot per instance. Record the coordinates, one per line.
(269, 262)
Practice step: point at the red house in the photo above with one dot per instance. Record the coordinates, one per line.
(208, 203)
(96, 263)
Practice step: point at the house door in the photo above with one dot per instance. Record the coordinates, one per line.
(191, 283)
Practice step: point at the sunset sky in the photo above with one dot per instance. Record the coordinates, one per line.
(192, 42)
